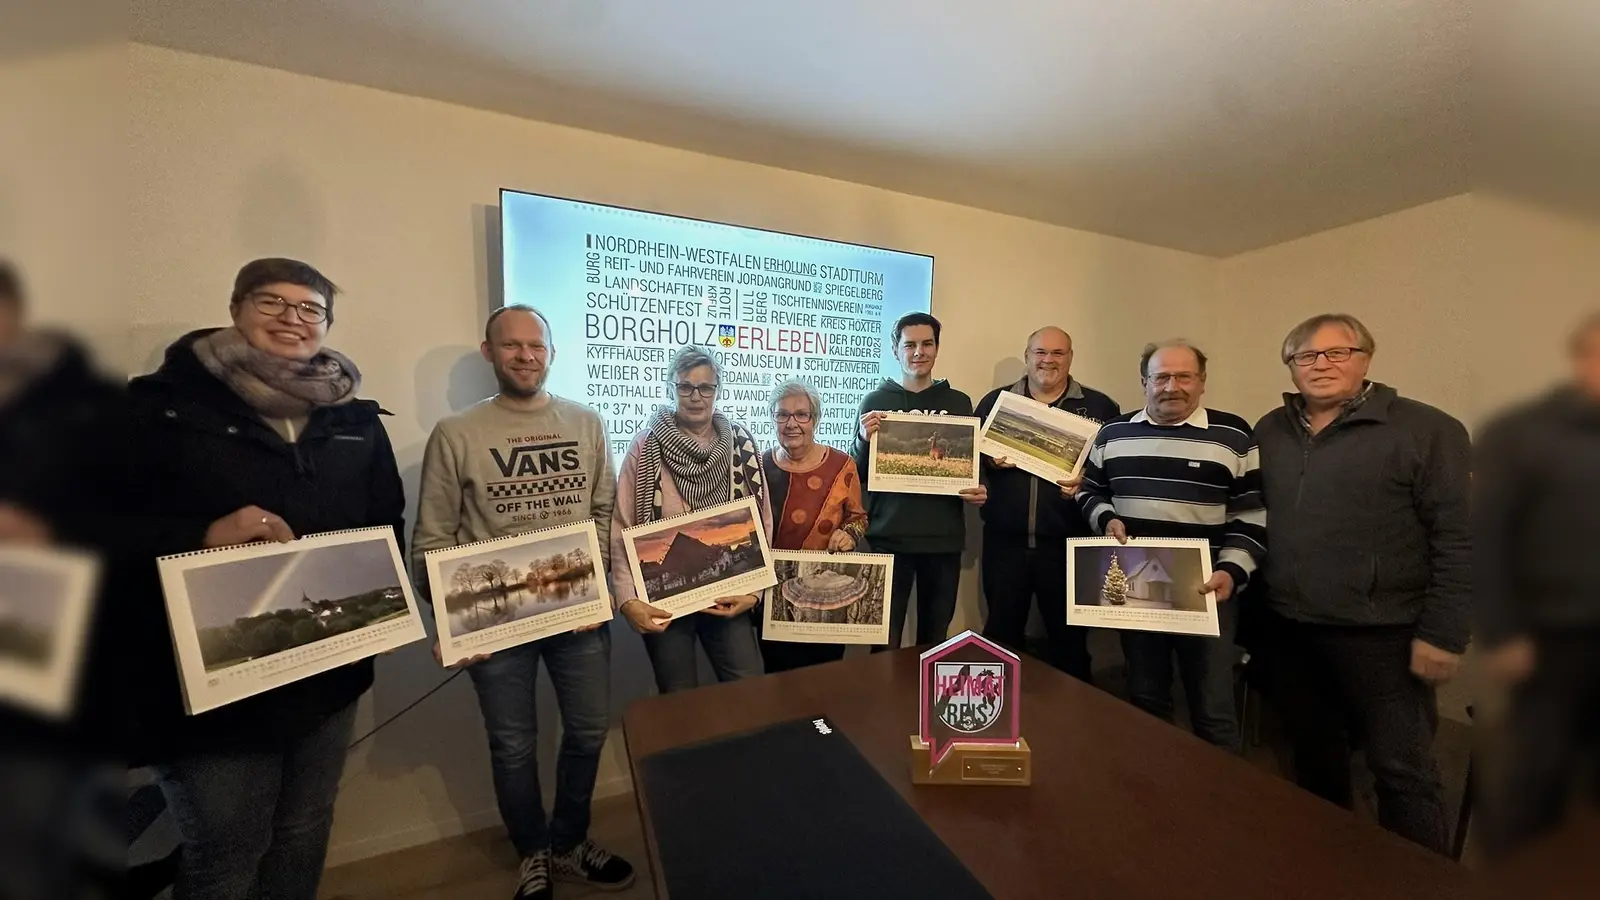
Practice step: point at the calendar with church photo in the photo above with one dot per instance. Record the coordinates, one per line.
(1147, 584)
(251, 618)
(684, 564)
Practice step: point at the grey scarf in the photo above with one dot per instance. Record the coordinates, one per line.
(273, 386)
(728, 469)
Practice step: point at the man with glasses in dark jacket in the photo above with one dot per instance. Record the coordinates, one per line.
(1369, 574)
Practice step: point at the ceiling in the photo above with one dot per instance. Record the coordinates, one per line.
(1214, 126)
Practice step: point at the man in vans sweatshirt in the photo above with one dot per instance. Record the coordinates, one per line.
(522, 460)
(1028, 519)
(924, 532)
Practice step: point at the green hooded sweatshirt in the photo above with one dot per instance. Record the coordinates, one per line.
(912, 523)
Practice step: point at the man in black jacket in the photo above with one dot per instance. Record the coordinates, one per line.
(1538, 598)
(1369, 575)
(1027, 519)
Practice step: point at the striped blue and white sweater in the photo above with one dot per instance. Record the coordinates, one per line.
(1200, 478)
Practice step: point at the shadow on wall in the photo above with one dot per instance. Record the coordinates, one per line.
(489, 269)
(447, 381)
(1007, 372)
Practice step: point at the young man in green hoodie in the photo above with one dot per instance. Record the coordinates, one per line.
(924, 532)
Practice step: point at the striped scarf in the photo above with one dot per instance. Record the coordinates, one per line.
(704, 476)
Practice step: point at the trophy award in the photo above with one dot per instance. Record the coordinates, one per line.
(970, 715)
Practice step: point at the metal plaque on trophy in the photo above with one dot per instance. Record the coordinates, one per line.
(970, 715)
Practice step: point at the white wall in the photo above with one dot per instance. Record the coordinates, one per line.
(61, 191)
(1470, 299)
(394, 198)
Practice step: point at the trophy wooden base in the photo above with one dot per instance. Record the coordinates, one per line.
(990, 764)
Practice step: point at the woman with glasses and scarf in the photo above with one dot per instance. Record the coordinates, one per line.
(689, 458)
(816, 502)
(253, 433)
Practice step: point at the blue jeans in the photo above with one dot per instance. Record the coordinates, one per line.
(1206, 665)
(256, 824)
(730, 644)
(579, 663)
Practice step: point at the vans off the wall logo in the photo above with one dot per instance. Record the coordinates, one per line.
(543, 482)
(537, 459)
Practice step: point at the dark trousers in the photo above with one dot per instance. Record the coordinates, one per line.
(1013, 576)
(1552, 741)
(730, 645)
(1206, 665)
(936, 576)
(783, 656)
(579, 663)
(1335, 685)
(255, 824)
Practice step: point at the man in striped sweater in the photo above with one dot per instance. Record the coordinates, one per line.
(1178, 470)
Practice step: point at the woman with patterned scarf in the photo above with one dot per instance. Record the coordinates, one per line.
(689, 458)
(251, 433)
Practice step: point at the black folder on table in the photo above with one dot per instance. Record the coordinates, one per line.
(788, 812)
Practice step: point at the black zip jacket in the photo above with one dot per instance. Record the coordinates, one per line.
(201, 453)
(1369, 518)
(1537, 515)
(1025, 506)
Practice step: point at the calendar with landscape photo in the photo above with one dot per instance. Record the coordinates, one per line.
(250, 618)
(1048, 442)
(498, 594)
(1149, 584)
(45, 598)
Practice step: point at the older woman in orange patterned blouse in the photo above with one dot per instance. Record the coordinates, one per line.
(816, 502)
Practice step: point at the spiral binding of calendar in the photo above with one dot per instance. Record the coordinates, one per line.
(304, 537)
(517, 538)
(701, 514)
(1187, 542)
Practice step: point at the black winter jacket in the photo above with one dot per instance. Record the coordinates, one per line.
(1025, 506)
(1369, 518)
(1537, 515)
(201, 453)
(60, 463)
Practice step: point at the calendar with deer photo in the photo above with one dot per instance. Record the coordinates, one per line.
(497, 594)
(1147, 584)
(920, 454)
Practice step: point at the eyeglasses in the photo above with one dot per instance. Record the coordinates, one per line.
(1051, 354)
(1307, 358)
(687, 390)
(800, 418)
(1180, 378)
(273, 305)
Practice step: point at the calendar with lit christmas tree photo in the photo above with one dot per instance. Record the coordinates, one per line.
(1147, 584)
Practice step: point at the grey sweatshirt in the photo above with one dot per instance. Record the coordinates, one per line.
(492, 471)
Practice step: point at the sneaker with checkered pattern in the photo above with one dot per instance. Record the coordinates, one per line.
(590, 864)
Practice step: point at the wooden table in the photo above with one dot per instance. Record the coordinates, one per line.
(1122, 805)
